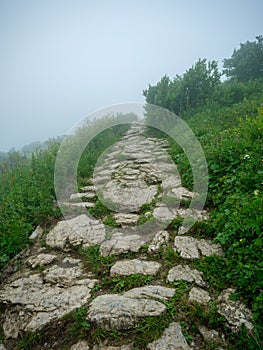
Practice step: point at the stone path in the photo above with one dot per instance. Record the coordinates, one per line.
(138, 181)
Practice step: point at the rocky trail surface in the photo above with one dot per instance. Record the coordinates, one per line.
(123, 278)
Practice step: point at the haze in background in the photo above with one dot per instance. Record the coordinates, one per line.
(62, 59)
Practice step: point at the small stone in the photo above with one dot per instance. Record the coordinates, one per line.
(81, 345)
(171, 339)
(164, 213)
(211, 335)
(105, 347)
(199, 296)
(187, 247)
(71, 261)
(135, 266)
(160, 239)
(234, 311)
(37, 233)
(208, 249)
(187, 274)
(126, 220)
(190, 248)
(121, 243)
(77, 196)
(40, 260)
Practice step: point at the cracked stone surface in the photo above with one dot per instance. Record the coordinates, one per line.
(42, 300)
(130, 267)
(199, 296)
(185, 273)
(41, 259)
(234, 311)
(123, 311)
(76, 231)
(121, 243)
(161, 239)
(153, 292)
(46, 283)
(172, 339)
(113, 311)
(193, 248)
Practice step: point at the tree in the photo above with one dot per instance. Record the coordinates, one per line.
(190, 90)
(246, 63)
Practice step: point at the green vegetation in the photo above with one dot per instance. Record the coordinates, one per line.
(27, 198)
(27, 193)
(227, 119)
(229, 126)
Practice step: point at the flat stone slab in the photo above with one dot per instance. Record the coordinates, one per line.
(152, 292)
(41, 260)
(185, 273)
(193, 248)
(172, 339)
(234, 311)
(121, 243)
(76, 231)
(35, 303)
(199, 296)
(131, 267)
(115, 311)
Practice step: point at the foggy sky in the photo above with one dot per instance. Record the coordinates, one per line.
(62, 59)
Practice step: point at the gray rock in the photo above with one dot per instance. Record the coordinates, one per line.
(187, 247)
(182, 193)
(130, 267)
(62, 276)
(152, 292)
(234, 311)
(161, 239)
(126, 220)
(113, 311)
(80, 195)
(164, 213)
(39, 302)
(107, 347)
(121, 243)
(41, 259)
(185, 273)
(71, 261)
(212, 335)
(81, 345)
(192, 248)
(172, 339)
(76, 231)
(199, 296)
(193, 213)
(80, 204)
(37, 233)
